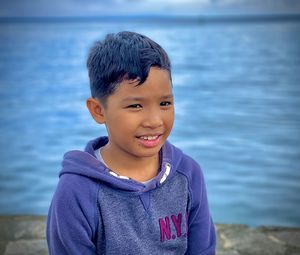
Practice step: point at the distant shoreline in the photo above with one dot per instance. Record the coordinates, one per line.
(222, 18)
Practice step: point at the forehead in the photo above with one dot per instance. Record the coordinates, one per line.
(158, 84)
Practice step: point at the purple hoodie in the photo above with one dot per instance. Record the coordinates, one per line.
(94, 212)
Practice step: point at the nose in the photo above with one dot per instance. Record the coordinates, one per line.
(153, 119)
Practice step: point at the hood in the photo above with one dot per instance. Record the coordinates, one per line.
(85, 163)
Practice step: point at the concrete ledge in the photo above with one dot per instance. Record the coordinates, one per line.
(25, 235)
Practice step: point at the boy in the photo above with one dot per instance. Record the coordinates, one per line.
(131, 192)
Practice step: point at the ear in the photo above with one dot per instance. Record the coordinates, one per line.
(96, 109)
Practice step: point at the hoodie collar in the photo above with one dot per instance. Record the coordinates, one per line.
(86, 164)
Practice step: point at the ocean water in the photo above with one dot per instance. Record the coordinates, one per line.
(237, 98)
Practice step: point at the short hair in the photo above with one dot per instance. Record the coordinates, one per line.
(123, 56)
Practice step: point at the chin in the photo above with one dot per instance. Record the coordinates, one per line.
(148, 152)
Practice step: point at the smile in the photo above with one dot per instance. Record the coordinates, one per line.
(150, 138)
(149, 141)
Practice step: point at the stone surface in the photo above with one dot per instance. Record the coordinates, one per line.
(22, 235)
(28, 247)
(25, 235)
(291, 236)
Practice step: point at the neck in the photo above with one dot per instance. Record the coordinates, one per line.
(137, 168)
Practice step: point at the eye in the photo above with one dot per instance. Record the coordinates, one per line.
(135, 106)
(166, 103)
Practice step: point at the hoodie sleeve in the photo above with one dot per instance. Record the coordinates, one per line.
(201, 229)
(72, 219)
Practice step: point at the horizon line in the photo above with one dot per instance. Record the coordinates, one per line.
(155, 18)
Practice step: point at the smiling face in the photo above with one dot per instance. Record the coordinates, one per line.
(139, 118)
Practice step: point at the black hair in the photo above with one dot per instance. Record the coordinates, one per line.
(123, 56)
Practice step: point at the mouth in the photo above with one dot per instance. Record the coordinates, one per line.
(149, 137)
(149, 141)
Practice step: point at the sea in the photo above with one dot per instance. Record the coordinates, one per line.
(237, 104)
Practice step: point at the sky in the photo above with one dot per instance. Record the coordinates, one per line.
(9, 8)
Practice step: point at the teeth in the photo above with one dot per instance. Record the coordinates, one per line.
(149, 137)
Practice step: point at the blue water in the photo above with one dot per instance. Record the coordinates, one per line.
(237, 91)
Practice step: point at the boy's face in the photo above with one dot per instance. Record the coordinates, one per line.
(139, 119)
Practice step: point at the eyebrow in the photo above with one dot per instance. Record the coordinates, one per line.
(169, 96)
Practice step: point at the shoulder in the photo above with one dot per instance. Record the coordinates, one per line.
(75, 180)
(185, 165)
(77, 186)
(192, 171)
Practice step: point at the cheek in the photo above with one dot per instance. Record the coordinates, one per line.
(169, 119)
(124, 122)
